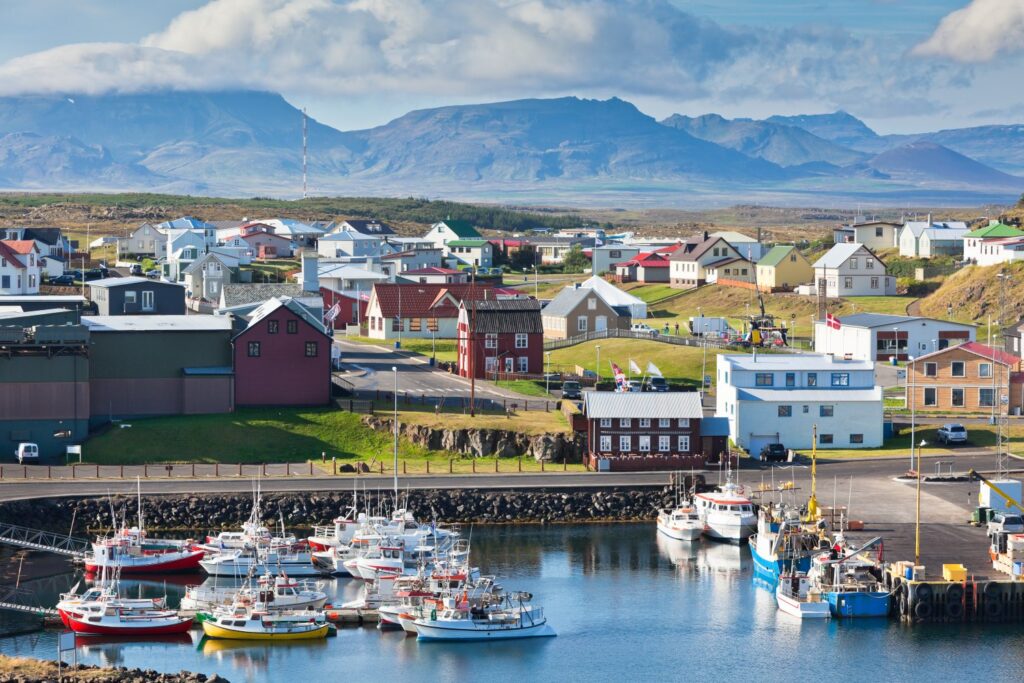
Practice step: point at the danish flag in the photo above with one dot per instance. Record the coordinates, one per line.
(832, 322)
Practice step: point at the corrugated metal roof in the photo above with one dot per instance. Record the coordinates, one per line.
(237, 293)
(776, 254)
(829, 395)
(654, 405)
(566, 300)
(714, 426)
(872, 320)
(156, 323)
(508, 316)
(293, 305)
(838, 255)
(768, 362)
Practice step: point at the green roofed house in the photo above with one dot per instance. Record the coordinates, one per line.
(446, 231)
(470, 252)
(782, 269)
(995, 243)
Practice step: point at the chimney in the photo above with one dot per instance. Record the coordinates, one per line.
(310, 271)
(706, 235)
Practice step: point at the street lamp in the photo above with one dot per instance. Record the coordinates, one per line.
(917, 524)
(394, 369)
(547, 372)
(597, 368)
(911, 367)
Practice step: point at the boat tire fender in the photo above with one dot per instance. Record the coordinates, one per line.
(922, 610)
(923, 592)
(954, 609)
(955, 593)
(993, 609)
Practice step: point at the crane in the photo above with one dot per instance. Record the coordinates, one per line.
(1005, 496)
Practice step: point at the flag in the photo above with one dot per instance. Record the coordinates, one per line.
(653, 370)
(634, 368)
(832, 322)
(620, 377)
(333, 313)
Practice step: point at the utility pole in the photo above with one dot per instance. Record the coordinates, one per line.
(305, 140)
(1004, 416)
(472, 342)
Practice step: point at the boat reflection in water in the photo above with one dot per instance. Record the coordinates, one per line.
(697, 556)
(256, 657)
(111, 650)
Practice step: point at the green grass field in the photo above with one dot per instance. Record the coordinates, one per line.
(445, 347)
(527, 387)
(677, 363)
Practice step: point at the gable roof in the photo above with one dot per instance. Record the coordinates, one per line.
(348, 236)
(186, 223)
(468, 243)
(464, 229)
(425, 300)
(996, 230)
(250, 293)
(508, 316)
(156, 323)
(10, 255)
(947, 234)
(777, 255)
(647, 260)
(692, 251)
(610, 293)
(49, 236)
(369, 227)
(222, 258)
(918, 227)
(978, 349)
(113, 282)
(567, 300)
(23, 247)
(292, 304)
(654, 405)
(840, 253)
(871, 320)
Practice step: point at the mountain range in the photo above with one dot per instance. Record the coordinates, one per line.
(249, 143)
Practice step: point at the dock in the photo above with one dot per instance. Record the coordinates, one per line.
(352, 616)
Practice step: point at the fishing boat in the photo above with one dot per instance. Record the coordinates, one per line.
(275, 592)
(783, 540)
(796, 595)
(103, 592)
(240, 563)
(414, 597)
(681, 523)
(252, 622)
(727, 514)
(104, 613)
(457, 620)
(341, 532)
(850, 579)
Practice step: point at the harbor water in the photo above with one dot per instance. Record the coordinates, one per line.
(626, 604)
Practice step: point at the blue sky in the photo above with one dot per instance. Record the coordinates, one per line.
(902, 65)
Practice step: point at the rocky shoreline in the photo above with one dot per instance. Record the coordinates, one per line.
(207, 512)
(24, 670)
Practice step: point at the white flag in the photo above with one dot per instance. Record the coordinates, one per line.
(333, 313)
(653, 370)
(634, 368)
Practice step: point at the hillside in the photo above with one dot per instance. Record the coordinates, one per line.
(974, 293)
(838, 127)
(922, 162)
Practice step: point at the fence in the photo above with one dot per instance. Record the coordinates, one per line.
(629, 334)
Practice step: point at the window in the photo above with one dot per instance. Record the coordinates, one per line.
(490, 364)
(840, 379)
(957, 399)
(606, 422)
(396, 325)
(825, 439)
(273, 326)
(957, 368)
(785, 411)
(625, 444)
(490, 341)
(147, 300)
(293, 326)
(764, 379)
(415, 324)
(591, 304)
(311, 349)
(129, 297)
(869, 264)
(522, 341)
(5, 281)
(931, 369)
(826, 411)
(645, 423)
(664, 422)
(645, 444)
(984, 370)
(807, 409)
(625, 422)
(812, 379)
(254, 349)
(684, 444)
(856, 438)
(929, 396)
(986, 398)
(606, 444)
(874, 283)
(684, 422)
(879, 232)
(523, 364)
(581, 323)
(853, 263)
(432, 324)
(509, 363)
(790, 379)
(664, 443)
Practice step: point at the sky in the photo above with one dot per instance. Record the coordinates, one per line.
(901, 65)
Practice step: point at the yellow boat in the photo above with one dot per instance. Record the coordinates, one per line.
(243, 622)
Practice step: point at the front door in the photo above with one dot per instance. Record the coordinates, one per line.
(510, 364)
(601, 323)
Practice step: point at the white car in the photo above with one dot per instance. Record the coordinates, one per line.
(27, 452)
(643, 328)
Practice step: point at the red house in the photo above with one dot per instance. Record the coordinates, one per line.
(508, 338)
(263, 242)
(646, 268)
(283, 357)
(351, 311)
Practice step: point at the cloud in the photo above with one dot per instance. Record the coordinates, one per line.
(977, 33)
(463, 48)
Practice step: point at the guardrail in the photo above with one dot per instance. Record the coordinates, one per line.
(629, 334)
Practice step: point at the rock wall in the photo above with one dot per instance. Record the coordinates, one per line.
(203, 513)
(478, 443)
(25, 670)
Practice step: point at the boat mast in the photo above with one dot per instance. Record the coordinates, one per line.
(138, 498)
(812, 503)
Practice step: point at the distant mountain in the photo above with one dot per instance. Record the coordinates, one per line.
(38, 161)
(781, 144)
(927, 162)
(839, 127)
(1001, 147)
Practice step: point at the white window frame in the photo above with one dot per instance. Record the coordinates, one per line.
(664, 422)
(625, 423)
(683, 443)
(935, 396)
(490, 341)
(581, 323)
(644, 445)
(606, 444)
(984, 369)
(664, 443)
(523, 364)
(963, 368)
(684, 422)
(149, 299)
(522, 341)
(130, 298)
(645, 423)
(625, 443)
(606, 422)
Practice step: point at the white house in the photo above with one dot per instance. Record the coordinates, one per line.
(992, 244)
(478, 252)
(446, 231)
(747, 247)
(348, 243)
(343, 277)
(872, 234)
(781, 398)
(604, 258)
(20, 267)
(688, 264)
(183, 247)
(205, 277)
(878, 337)
(851, 269)
(415, 259)
(145, 240)
(930, 238)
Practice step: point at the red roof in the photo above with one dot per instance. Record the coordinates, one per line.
(8, 253)
(22, 246)
(431, 270)
(426, 300)
(668, 249)
(648, 260)
(985, 351)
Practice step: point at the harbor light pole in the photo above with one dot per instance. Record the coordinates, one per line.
(547, 372)
(597, 368)
(704, 357)
(917, 524)
(394, 369)
(913, 400)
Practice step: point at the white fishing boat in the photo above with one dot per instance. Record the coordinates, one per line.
(274, 592)
(796, 595)
(107, 593)
(240, 563)
(457, 620)
(251, 622)
(683, 523)
(100, 611)
(727, 514)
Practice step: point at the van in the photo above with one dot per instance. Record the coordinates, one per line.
(27, 452)
(642, 328)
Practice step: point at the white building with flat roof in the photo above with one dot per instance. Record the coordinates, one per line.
(781, 398)
(879, 336)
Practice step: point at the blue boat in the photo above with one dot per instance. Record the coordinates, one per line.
(851, 580)
(783, 543)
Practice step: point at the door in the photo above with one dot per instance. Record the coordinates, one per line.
(758, 441)
(601, 323)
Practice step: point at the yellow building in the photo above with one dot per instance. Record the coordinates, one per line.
(782, 269)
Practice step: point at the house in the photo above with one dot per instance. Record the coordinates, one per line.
(688, 263)
(851, 269)
(604, 258)
(420, 311)
(782, 269)
(21, 269)
(872, 234)
(616, 298)
(205, 277)
(395, 244)
(446, 231)
(150, 365)
(343, 277)
(647, 268)
(145, 241)
(282, 357)
(735, 272)
(552, 250)
(436, 276)
(51, 267)
(781, 398)
(879, 337)
(348, 243)
(471, 252)
(242, 255)
(209, 230)
(366, 227)
(413, 259)
(748, 247)
(992, 244)
(51, 242)
(650, 431)
(500, 336)
(183, 247)
(241, 299)
(971, 377)
(925, 239)
(264, 243)
(577, 310)
(136, 296)
(300, 233)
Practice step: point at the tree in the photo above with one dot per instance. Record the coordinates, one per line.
(575, 261)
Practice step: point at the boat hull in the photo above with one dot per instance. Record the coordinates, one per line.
(802, 609)
(770, 567)
(433, 631)
(859, 604)
(293, 569)
(729, 531)
(89, 629)
(186, 563)
(214, 630)
(681, 534)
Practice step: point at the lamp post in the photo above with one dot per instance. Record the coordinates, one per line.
(917, 524)
(597, 368)
(913, 400)
(547, 372)
(394, 369)
(704, 351)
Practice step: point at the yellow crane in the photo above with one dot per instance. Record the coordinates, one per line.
(1005, 496)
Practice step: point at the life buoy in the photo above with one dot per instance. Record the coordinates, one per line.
(923, 610)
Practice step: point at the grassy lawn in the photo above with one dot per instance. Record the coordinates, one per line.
(677, 363)
(527, 387)
(981, 436)
(652, 294)
(445, 347)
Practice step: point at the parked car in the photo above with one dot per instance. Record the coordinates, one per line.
(634, 385)
(135, 269)
(643, 328)
(952, 433)
(656, 384)
(27, 452)
(75, 275)
(1006, 523)
(774, 452)
(95, 274)
(64, 280)
(571, 390)
(153, 274)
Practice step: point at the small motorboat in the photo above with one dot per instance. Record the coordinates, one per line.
(682, 522)
(796, 595)
(253, 622)
(109, 617)
(275, 592)
(512, 618)
(728, 515)
(239, 563)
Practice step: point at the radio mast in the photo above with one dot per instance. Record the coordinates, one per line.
(305, 139)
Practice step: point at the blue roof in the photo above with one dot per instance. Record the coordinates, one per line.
(714, 426)
(216, 370)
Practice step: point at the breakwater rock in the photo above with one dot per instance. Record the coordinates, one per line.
(25, 670)
(184, 512)
(479, 443)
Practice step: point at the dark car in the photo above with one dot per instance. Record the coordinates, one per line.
(65, 280)
(571, 390)
(95, 274)
(656, 384)
(74, 274)
(135, 269)
(774, 452)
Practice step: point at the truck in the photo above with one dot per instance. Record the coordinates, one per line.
(703, 325)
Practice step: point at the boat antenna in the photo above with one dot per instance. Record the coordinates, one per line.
(138, 500)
